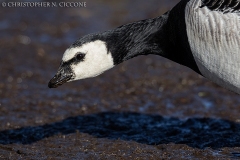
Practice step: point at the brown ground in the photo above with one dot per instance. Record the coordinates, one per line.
(146, 108)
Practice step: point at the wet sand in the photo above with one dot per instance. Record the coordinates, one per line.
(145, 108)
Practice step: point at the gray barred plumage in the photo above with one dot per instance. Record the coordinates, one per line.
(225, 6)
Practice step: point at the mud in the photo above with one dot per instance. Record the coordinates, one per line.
(145, 108)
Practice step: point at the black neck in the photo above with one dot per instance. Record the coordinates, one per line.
(165, 36)
(138, 38)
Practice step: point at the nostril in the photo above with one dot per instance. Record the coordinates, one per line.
(54, 78)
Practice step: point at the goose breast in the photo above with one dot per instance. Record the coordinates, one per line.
(214, 38)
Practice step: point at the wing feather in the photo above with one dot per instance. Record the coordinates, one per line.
(225, 6)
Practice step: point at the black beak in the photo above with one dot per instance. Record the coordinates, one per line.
(63, 75)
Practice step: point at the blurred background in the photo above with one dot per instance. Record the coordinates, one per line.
(147, 107)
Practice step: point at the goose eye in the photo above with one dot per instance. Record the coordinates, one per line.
(80, 56)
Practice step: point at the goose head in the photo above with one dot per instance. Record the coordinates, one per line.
(93, 54)
(87, 57)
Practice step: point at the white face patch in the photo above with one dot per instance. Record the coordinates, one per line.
(96, 60)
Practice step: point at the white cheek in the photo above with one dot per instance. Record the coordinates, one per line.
(96, 60)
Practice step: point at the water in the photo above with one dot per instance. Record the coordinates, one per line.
(148, 107)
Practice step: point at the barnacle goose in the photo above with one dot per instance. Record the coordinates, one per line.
(203, 35)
